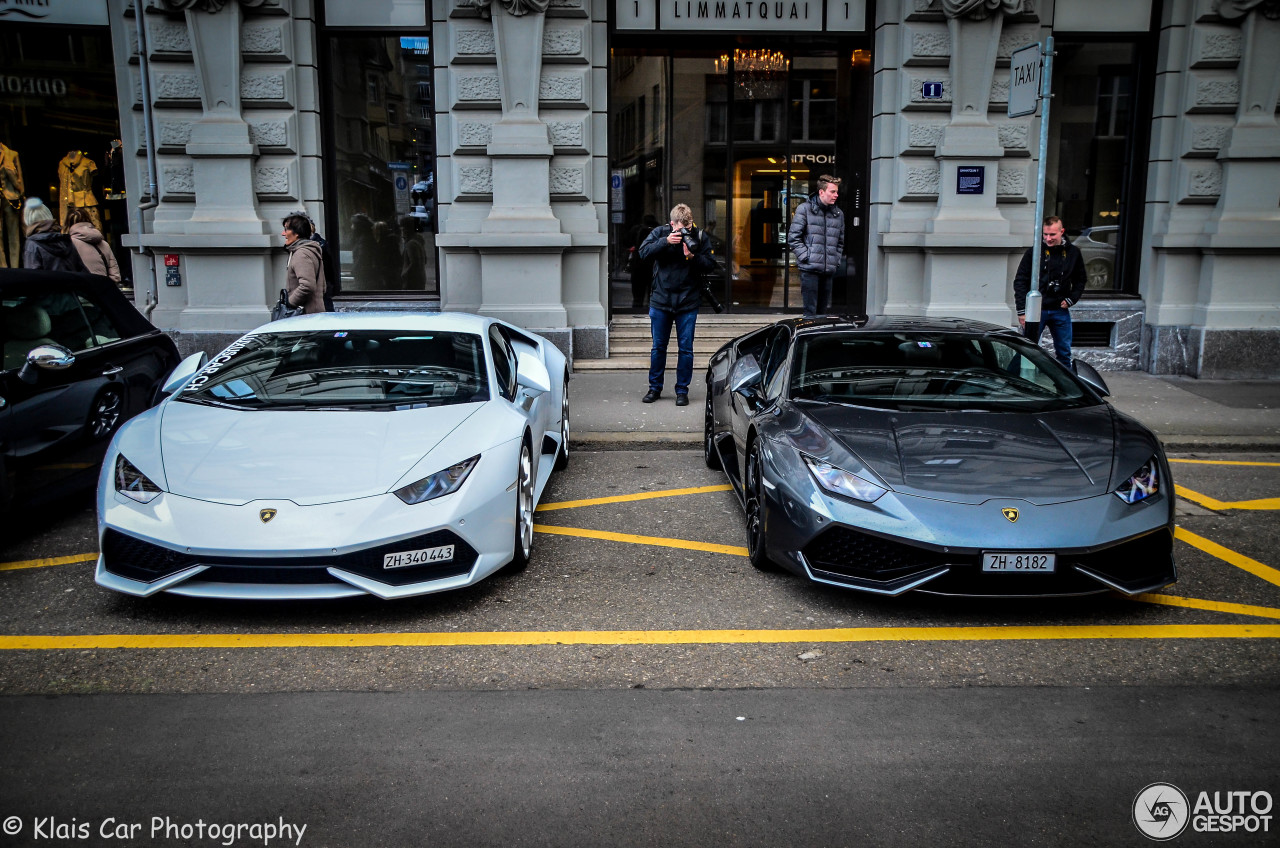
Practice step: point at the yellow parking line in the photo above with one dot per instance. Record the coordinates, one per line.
(640, 496)
(41, 563)
(640, 540)
(1225, 462)
(639, 637)
(1213, 503)
(1252, 566)
(1214, 606)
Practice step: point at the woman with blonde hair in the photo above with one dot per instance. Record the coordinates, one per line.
(89, 242)
(47, 248)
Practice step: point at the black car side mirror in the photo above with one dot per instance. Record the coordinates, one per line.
(744, 375)
(1089, 375)
(47, 357)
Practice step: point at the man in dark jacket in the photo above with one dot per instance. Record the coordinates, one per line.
(816, 238)
(1062, 282)
(678, 275)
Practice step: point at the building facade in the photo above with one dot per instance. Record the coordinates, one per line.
(506, 156)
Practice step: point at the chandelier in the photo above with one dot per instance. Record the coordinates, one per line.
(758, 74)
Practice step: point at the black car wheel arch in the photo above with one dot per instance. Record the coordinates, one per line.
(757, 511)
(710, 455)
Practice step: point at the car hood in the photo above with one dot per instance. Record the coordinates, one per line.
(971, 457)
(308, 457)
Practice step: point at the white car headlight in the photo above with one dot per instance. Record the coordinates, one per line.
(438, 484)
(841, 482)
(1144, 483)
(133, 484)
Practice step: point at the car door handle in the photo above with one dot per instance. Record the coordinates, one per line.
(113, 371)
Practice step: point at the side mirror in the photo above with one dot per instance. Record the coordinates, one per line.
(186, 369)
(1088, 374)
(47, 357)
(532, 374)
(744, 375)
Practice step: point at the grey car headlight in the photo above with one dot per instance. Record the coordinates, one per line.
(841, 482)
(439, 484)
(133, 484)
(1144, 483)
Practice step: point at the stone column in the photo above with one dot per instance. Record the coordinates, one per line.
(1250, 158)
(520, 243)
(965, 269)
(225, 246)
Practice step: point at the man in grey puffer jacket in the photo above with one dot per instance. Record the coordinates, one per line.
(816, 238)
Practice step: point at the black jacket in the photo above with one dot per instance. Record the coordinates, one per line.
(1062, 276)
(677, 281)
(816, 236)
(49, 250)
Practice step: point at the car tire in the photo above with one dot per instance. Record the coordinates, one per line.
(1098, 273)
(523, 541)
(562, 457)
(757, 513)
(106, 413)
(709, 454)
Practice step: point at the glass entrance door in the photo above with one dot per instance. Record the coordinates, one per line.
(741, 136)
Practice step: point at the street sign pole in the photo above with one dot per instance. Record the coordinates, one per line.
(1046, 77)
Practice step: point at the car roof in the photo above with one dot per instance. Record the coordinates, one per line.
(16, 282)
(459, 322)
(892, 324)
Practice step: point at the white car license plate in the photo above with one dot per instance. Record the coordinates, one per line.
(404, 559)
(1021, 562)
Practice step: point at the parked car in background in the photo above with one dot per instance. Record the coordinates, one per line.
(1098, 249)
(338, 454)
(939, 455)
(79, 361)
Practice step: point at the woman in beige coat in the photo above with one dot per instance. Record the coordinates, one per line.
(94, 251)
(305, 279)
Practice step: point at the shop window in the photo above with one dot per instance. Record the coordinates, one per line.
(1091, 139)
(60, 131)
(381, 177)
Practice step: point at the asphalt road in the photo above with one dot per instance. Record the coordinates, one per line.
(720, 705)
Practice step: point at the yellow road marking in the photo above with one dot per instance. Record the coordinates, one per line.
(1252, 566)
(640, 540)
(1214, 606)
(641, 496)
(639, 637)
(41, 563)
(1214, 503)
(1225, 462)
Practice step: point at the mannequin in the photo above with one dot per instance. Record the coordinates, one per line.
(115, 170)
(11, 191)
(75, 186)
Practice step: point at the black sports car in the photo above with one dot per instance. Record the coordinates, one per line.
(943, 455)
(79, 361)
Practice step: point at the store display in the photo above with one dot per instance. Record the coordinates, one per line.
(75, 186)
(11, 191)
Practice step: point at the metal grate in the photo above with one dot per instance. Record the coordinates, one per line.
(1092, 333)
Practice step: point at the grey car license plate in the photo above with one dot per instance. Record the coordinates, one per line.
(404, 559)
(1021, 562)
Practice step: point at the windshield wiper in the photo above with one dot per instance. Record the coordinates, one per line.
(204, 401)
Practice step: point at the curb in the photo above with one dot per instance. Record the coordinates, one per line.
(643, 440)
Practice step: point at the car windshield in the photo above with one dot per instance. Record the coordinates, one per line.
(914, 371)
(344, 369)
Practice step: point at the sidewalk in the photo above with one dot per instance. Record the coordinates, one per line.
(1187, 414)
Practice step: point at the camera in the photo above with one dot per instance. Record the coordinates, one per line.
(689, 239)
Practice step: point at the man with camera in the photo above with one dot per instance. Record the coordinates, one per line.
(681, 257)
(1062, 282)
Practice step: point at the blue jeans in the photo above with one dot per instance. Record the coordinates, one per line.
(815, 292)
(661, 321)
(1058, 320)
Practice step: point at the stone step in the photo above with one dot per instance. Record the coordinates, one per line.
(639, 347)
